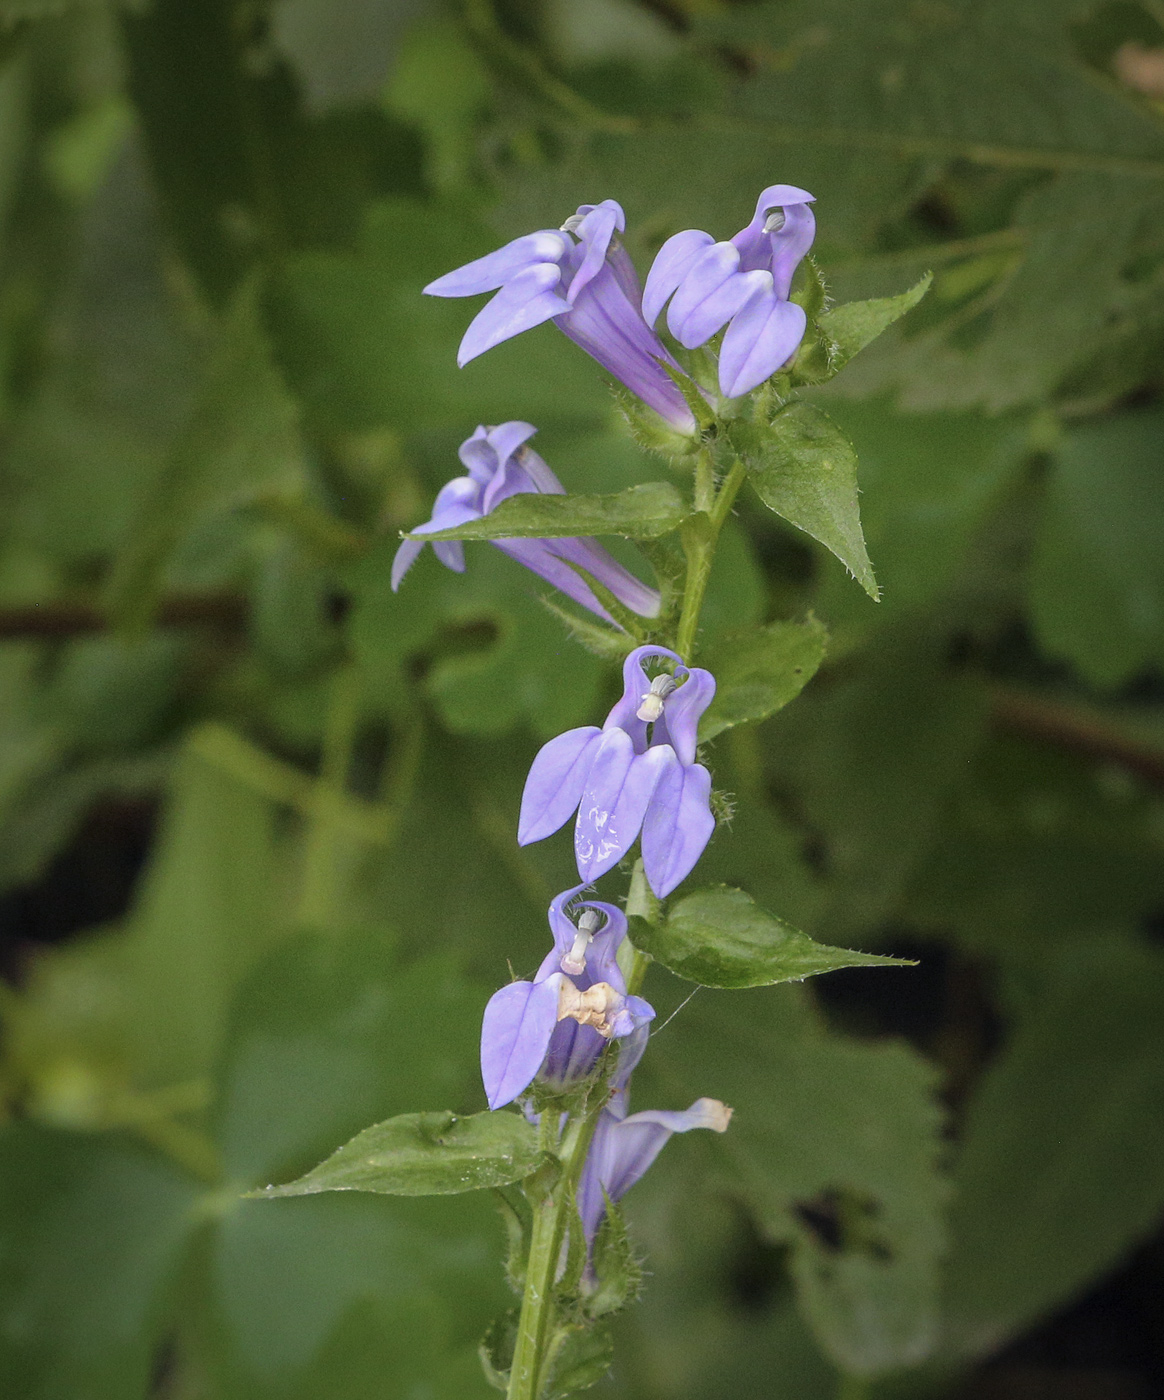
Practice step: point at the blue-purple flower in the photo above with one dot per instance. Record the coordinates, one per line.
(581, 277)
(638, 772)
(623, 1148)
(556, 1026)
(743, 284)
(500, 465)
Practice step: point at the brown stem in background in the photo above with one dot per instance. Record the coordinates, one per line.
(64, 619)
(1027, 715)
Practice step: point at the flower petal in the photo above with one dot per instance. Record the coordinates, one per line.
(634, 686)
(526, 300)
(617, 794)
(630, 1050)
(622, 1150)
(607, 323)
(594, 234)
(540, 474)
(720, 305)
(556, 780)
(495, 269)
(515, 1036)
(629, 590)
(671, 265)
(790, 244)
(572, 1052)
(758, 341)
(488, 448)
(540, 558)
(709, 271)
(602, 955)
(448, 518)
(679, 724)
(451, 553)
(677, 826)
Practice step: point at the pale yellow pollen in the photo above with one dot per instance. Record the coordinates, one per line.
(589, 1008)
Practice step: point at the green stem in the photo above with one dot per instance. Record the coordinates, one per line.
(641, 903)
(551, 1219)
(705, 482)
(699, 545)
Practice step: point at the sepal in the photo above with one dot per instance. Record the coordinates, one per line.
(517, 1218)
(652, 432)
(496, 1348)
(579, 1355)
(597, 639)
(693, 397)
(617, 1270)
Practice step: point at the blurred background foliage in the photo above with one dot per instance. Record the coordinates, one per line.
(257, 812)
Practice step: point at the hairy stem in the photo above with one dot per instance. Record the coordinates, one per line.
(699, 545)
(552, 1217)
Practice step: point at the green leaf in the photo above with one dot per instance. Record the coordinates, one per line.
(491, 655)
(804, 468)
(875, 759)
(242, 430)
(1062, 1161)
(857, 323)
(425, 1154)
(720, 938)
(1097, 576)
(311, 1034)
(1039, 846)
(929, 483)
(95, 1231)
(835, 1144)
(758, 671)
(330, 1293)
(641, 512)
